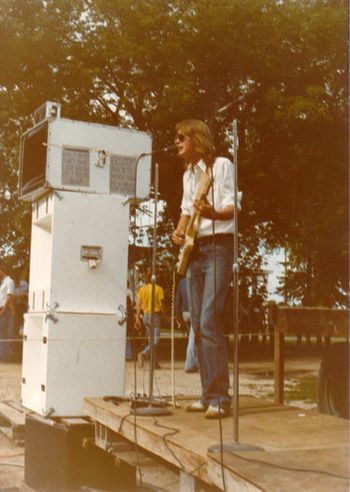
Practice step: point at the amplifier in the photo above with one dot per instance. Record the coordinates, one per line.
(56, 460)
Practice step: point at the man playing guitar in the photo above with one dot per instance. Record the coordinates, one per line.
(209, 267)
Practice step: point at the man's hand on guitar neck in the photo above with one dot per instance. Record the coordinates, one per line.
(178, 237)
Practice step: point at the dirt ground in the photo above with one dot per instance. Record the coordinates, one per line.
(256, 378)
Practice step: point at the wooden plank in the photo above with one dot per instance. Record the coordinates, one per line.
(12, 420)
(293, 428)
(234, 482)
(187, 435)
(313, 321)
(164, 436)
(17, 406)
(182, 439)
(321, 470)
(74, 421)
(188, 483)
(15, 433)
(261, 422)
(14, 416)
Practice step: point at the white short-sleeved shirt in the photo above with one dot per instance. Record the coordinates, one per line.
(20, 290)
(7, 287)
(224, 190)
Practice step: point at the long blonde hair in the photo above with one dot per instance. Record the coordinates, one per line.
(201, 135)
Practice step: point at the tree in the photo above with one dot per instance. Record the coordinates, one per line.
(36, 39)
(150, 64)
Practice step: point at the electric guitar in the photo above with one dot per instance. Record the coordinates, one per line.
(204, 185)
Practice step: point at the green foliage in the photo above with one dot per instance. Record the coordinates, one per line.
(148, 64)
(302, 389)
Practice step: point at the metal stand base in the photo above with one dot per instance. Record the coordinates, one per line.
(234, 447)
(150, 411)
(149, 406)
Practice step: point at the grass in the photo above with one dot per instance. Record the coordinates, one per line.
(303, 389)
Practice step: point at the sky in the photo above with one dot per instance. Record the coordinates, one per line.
(273, 263)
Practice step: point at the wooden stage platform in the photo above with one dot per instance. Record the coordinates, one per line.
(302, 449)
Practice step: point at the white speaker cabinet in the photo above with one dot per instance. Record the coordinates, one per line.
(64, 154)
(69, 358)
(79, 177)
(69, 230)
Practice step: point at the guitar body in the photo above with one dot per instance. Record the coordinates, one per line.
(186, 249)
(193, 225)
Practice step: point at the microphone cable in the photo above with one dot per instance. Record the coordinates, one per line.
(133, 229)
(214, 265)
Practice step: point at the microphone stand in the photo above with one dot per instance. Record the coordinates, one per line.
(154, 407)
(235, 445)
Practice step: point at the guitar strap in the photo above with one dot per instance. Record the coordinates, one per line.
(199, 194)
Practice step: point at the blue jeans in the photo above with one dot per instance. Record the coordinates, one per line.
(191, 352)
(7, 326)
(147, 320)
(207, 302)
(128, 349)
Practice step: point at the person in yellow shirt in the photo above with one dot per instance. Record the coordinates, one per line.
(144, 304)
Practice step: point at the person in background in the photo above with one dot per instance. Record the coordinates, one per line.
(144, 304)
(7, 289)
(129, 349)
(184, 318)
(19, 307)
(20, 303)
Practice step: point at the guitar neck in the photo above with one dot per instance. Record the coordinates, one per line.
(193, 224)
(204, 186)
(192, 221)
(203, 189)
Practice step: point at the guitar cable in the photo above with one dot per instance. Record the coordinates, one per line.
(133, 262)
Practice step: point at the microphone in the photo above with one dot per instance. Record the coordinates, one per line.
(159, 151)
(238, 100)
(139, 158)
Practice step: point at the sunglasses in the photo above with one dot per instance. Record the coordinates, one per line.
(180, 137)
